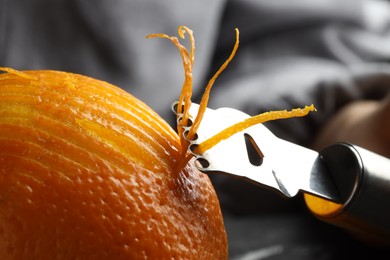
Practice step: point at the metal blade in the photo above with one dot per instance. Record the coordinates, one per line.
(285, 167)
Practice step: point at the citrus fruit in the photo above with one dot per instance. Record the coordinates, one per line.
(87, 171)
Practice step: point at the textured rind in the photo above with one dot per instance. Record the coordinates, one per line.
(88, 171)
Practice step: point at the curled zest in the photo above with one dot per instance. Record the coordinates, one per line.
(205, 97)
(186, 93)
(258, 119)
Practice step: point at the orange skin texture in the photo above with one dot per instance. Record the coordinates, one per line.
(88, 171)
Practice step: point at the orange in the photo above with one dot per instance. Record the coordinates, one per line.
(87, 171)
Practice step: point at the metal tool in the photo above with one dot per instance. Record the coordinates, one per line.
(355, 178)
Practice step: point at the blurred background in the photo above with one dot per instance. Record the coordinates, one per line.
(330, 53)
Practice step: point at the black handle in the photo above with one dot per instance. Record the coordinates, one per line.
(363, 181)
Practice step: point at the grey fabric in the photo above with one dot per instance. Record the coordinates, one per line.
(296, 53)
(292, 53)
(106, 40)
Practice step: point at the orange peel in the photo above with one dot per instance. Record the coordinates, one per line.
(186, 93)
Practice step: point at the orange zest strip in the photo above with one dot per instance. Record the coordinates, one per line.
(186, 93)
(240, 126)
(205, 98)
(182, 30)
